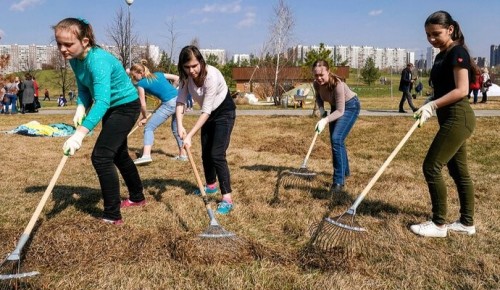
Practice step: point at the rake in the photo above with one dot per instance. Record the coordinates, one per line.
(301, 175)
(13, 260)
(343, 234)
(147, 117)
(214, 230)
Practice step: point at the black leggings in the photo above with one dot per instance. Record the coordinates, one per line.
(111, 150)
(215, 138)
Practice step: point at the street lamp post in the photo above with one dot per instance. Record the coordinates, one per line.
(129, 3)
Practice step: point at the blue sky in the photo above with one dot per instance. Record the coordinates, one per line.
(242, 26)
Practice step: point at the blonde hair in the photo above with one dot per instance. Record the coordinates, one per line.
(143, 69)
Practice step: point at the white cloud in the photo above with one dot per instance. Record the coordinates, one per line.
(375, 12)
(247, 21)
(233, 7)
(23, 4)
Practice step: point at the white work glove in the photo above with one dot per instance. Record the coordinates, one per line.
(321, 125)
(425, 112)
(79, 115)
(73, 143)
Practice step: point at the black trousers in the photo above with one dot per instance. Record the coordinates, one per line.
(111, 150)
(215, 138)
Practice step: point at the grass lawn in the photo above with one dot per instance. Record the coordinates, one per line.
(158, 248)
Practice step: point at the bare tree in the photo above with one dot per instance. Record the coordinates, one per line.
(281, 31)
(119, 33)
(195, 42)
(65, 79)
(172, 37)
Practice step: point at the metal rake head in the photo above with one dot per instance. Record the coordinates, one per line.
(297, 179)
(10, 274)
(340, 235)
(217, 232)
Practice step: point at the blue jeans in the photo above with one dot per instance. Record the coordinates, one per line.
(159, 117)
(12, 102)
(339, 129)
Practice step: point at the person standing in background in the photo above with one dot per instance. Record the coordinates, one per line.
(36, 101)
(405, 86)
(485, 76)
(46, 95)
(28, 94)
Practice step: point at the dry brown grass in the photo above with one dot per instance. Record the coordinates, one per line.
(155, 247)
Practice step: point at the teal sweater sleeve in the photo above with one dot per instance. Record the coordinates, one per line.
(102, 84)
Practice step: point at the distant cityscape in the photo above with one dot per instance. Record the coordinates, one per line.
(36, 57)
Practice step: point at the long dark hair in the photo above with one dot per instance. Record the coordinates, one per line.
(444, 19)
(187, 53)
(80, 27)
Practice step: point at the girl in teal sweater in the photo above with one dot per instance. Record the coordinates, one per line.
(107, 93)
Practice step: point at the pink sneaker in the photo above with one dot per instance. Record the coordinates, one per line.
(129, 203)
(112, 222)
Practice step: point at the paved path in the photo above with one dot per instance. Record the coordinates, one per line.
(293, 112)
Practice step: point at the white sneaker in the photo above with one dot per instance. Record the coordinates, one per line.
(143, 160)
(429, 229)
(180, 158)
(462, 229)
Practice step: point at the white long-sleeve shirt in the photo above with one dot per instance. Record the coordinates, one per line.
(210, 95)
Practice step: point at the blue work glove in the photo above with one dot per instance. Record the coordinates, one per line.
(425, 112)
(73, 143)
(321, 125)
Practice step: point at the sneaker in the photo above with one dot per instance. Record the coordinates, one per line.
(208, 191)
(143, 160)
(112, 222)
(429, 229)
(224, 207)
(129, 203)
(181, 158)
(461, 228)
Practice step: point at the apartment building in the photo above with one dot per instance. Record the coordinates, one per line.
(35, 57)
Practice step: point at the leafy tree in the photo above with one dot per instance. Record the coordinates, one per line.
(313, 55)
(227, 72)
(166, 64)
(212, 60)
(339, 61)
(370, 73)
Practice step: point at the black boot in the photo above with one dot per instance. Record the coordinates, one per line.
(336, 188)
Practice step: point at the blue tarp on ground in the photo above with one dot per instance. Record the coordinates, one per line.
(35, 129)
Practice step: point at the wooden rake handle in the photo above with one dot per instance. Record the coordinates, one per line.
(147, 117)
(25, 236)
(384, 166)
(304, 164)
